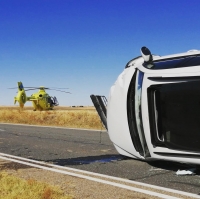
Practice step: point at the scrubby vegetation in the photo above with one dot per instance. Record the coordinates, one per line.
(72, 118)
(16, 188)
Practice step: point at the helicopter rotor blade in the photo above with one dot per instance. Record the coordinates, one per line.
(44, 88)
(26, 87)
(59, 90)
(35, 88)
(39, 87)
(47, 89)
(31, 89)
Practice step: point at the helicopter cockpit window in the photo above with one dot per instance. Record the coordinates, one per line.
(177, 62)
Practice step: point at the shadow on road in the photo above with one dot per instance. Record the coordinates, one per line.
(165, 165)
(87, 160)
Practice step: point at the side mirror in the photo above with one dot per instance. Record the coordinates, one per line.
(146, 54)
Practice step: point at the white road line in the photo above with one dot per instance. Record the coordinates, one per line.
(55, 127)
(3, 155)
(94, 179)
(2, 130)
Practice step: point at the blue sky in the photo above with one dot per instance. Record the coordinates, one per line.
(85, 44)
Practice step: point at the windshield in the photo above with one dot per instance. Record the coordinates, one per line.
(134, 113)
(138, 114)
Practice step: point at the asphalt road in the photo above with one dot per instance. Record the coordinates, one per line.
(91, 151)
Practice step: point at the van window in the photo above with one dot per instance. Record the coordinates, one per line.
(177, 62)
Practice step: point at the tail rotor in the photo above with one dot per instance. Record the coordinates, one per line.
(21, 95)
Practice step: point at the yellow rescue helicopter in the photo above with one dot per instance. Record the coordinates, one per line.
(40, 100)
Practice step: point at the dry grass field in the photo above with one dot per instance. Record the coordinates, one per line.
(72, 117)
(13, 187)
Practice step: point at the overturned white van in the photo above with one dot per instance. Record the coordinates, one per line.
(153, 109)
